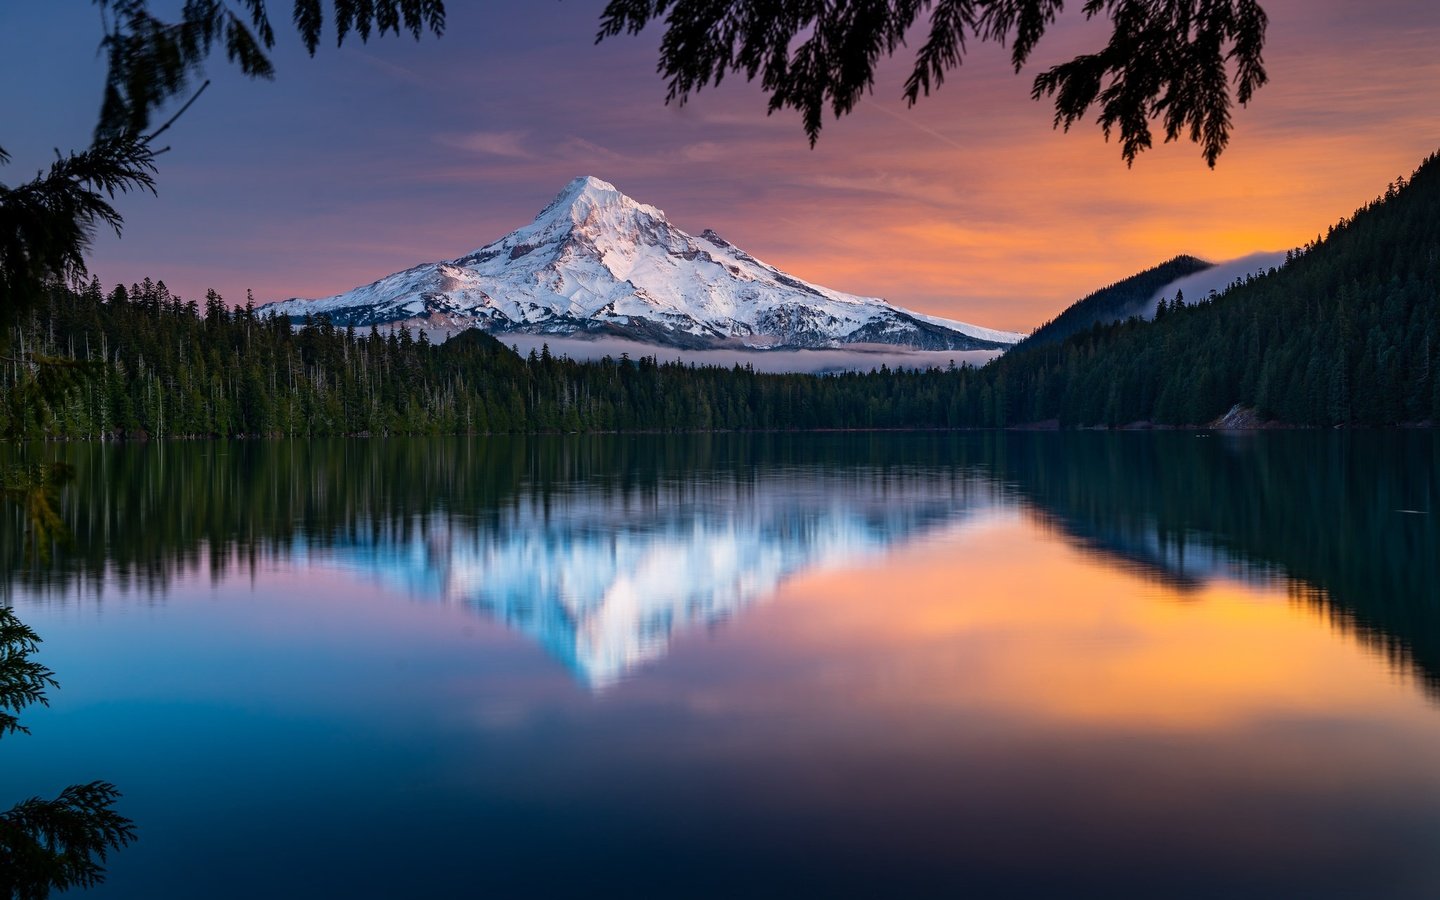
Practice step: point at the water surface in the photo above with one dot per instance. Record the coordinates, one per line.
(860, 665)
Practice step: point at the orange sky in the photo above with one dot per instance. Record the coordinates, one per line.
(368, 160)
(982, 211)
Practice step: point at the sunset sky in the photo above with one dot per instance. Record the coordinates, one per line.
(370, 159)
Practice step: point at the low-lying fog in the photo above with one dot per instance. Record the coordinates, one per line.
(861, 358)
(1217, 278)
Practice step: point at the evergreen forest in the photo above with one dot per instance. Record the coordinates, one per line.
(1345, 333)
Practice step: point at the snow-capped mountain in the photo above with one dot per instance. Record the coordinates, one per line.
(597, 262)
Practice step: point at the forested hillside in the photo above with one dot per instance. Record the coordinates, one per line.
(1119, 301)
(1347, 332)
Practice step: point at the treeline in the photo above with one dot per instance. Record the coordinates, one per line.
(1347, 332)
(164, 367)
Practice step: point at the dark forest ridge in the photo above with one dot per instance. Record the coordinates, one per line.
(1133, 296)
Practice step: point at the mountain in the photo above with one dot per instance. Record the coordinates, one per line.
(1134, 296)
(597, 262)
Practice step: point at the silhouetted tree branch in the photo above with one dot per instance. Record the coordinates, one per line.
(23, 681)
(55, 845)
(152, 60)
(49, 845)
(1167, 60)
(46, 224)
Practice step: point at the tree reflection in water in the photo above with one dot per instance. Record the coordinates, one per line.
(1347, 521)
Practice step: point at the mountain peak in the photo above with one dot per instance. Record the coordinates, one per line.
(588, 187)
(583, 197)
(590, 184)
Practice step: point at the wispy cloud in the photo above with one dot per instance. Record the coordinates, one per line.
(920, 127)
(508, 144)
(393, 70)
(704, 151)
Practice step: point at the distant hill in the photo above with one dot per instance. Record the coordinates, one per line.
(1119, 301)
(1345, 332)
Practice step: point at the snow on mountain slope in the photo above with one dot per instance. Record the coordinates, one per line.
(597, 262)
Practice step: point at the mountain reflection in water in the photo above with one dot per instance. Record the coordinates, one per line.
(605, 578)
(1030, 665)
(604, 548)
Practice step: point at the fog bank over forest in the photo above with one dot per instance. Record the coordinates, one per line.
(861, 358)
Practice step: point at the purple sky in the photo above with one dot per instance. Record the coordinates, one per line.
(370, 159)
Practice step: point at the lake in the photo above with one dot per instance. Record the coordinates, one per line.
(878, 665)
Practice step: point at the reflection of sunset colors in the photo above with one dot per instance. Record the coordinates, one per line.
(878, 665)
(1000, 619)
(605, 581)
(367, 161)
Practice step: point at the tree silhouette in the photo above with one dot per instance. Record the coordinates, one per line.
(49, 845)
(46, 224)
(1166, 60)
(152, 60)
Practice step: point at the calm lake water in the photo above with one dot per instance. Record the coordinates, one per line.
(847, 665)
